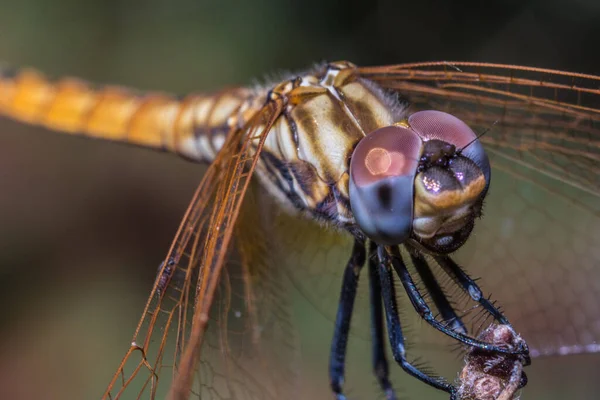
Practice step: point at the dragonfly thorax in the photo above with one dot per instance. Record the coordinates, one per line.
(305, 160)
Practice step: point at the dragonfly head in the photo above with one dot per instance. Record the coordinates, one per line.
(423, 179)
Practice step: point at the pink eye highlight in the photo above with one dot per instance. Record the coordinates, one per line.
(380, 161)
(388, 151)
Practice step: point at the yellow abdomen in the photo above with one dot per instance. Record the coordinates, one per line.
(154, 120)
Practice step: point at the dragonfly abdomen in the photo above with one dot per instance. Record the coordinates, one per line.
(193, 126)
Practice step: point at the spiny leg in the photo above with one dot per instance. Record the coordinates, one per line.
(344, 314)
(437, 294)
(380, 363)
(468, 285)
(424, 311)
(395, 330)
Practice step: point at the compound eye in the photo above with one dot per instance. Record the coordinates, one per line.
(382, 173)
(439, 125)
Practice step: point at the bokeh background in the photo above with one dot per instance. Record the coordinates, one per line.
(84, 224)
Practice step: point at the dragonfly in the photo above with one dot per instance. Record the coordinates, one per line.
(303, 176)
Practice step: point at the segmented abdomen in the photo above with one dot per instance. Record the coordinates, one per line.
(194, 126)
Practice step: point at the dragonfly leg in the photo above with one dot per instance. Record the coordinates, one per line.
(469, 286)
(437, 294)
(380, 363)
(344, 314)
(395, 330)
(424, 311)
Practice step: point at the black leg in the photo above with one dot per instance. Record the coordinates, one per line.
(395, 330)
(380, 363)
(437, 294)
(342, 320)
(468, 285)
(425, 312)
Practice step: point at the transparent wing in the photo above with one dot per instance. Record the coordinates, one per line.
(204, 335)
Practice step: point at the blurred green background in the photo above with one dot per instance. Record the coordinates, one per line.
(84, 224)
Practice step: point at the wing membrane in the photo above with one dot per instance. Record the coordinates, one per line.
(553, 115)
(228, 197)
(198, 250)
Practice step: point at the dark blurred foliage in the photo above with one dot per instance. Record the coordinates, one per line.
(84, 224)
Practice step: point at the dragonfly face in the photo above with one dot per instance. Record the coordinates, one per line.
(227, 321)
(440, 157)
